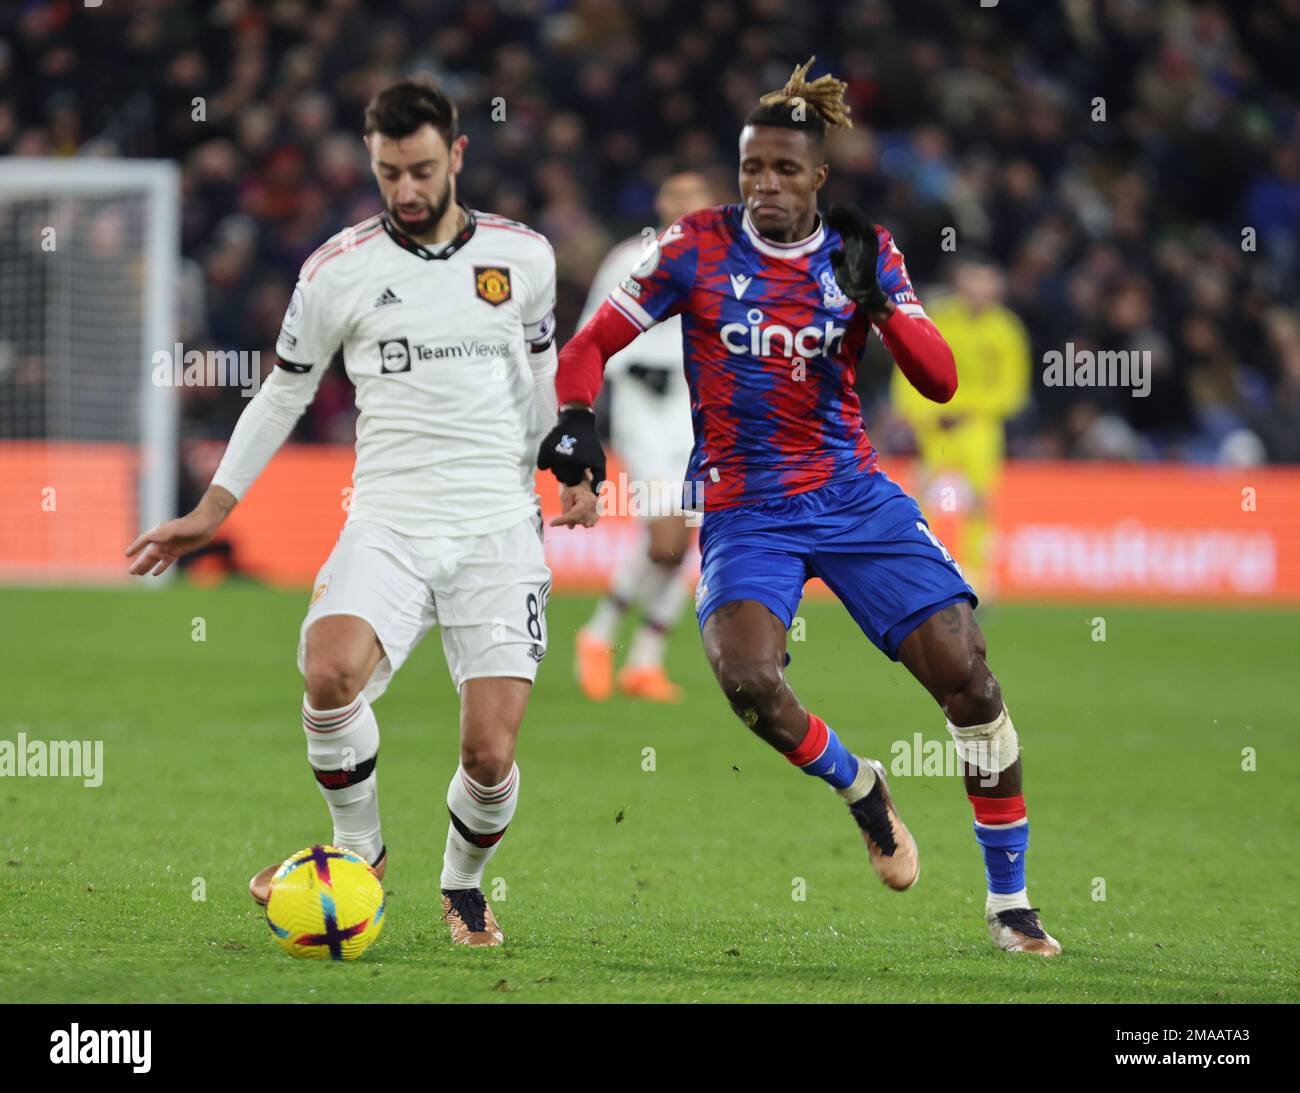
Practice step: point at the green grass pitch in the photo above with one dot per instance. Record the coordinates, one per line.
(1133, 761)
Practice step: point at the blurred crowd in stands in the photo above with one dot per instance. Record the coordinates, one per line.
(1132, 166)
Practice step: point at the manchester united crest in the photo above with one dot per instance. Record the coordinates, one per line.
(492, 283)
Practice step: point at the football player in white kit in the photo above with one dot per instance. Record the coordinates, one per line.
(650, 429)
(445, 318)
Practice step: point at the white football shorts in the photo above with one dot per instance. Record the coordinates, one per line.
(487, 593)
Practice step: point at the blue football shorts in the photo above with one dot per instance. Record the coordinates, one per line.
(863, 536)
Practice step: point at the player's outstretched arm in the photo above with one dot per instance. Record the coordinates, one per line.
(922, 355)
(156, 550)
(264, 425)
(659, 286)
(571, 451)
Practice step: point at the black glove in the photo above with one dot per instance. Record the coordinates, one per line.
(572, 448)
(855, 263)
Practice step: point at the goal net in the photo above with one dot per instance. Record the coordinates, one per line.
(89, 254)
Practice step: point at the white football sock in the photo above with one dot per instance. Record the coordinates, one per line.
(342, 746)
(662, 597)
(647, 648)
(627, 581)
(480, 815)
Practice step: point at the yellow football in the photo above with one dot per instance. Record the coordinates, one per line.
(325, 904)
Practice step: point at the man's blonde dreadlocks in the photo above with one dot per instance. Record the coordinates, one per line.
(825, 95)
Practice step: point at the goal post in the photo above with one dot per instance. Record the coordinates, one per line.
(89, 267)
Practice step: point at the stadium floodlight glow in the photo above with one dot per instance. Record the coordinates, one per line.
(89, 272)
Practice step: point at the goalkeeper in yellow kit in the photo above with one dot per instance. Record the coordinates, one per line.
(961, 443)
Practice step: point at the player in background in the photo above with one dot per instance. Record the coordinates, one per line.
(962, 442)
(445, 318)
(776, 304)
(650, 429)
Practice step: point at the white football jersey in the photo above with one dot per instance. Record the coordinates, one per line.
(436, 341)
(658, 347)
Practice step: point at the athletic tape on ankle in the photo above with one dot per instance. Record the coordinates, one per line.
(992, 747)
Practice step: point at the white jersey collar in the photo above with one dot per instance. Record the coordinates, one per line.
(784, 250)
(440, 251)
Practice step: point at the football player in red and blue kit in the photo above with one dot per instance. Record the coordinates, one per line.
(777, 302)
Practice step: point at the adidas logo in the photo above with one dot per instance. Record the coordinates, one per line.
(388, 296)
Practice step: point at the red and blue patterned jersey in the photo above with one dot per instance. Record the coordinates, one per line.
(770, 347)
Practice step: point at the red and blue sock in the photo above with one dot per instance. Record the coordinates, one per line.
(822, 755)
(1002, 830)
